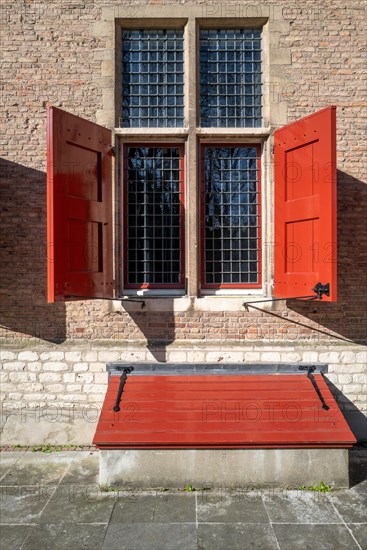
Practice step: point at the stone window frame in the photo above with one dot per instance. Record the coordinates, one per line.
(192, 18)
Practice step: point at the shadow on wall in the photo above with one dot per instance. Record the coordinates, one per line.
(158, 327)
(23, 266)
(348, 316)
(23, 270)
(357, 422)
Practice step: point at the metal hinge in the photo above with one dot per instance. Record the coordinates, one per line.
(321, 289)
(310, 369)
(125, 372)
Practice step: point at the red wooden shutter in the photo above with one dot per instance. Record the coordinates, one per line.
(79, 208)
(305, 206)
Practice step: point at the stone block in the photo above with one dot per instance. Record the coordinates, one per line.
(50, 377)
(280, 57)
(68, 377)
(103, 29)
(52, 355)
(309, 357)
(34, 430)
(229, 467)
(347, 357)
(73, 356)
(27, 356)
(22, 376)
(344, 379)
(177, 356)
(6, 355)
(95, 388)
(80, 367)
(15, 365)
(55, 366)
(329, 357)
(109, 356)
(361, 357)
(89, 356)
(359, 378)
(224, 357)
(86, 378)
(270, 357)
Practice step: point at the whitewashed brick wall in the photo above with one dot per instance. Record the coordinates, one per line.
(37, 376)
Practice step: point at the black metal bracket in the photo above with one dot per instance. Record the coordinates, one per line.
(310, 369)
(113, 151)
(123, 377)
(321, 289)
(309, 296)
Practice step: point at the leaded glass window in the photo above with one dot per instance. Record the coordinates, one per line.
(152, 78)
(231, 204)
(229, 95)
(230, 78)
(155, 232)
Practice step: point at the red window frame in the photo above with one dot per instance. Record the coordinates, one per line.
(146, 286)
(216, 286)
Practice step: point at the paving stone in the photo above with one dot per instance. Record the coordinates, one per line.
(24, 504)
(221, 536)
(232, 508)
(75, 513)
(39, 468)
(175, 508)
(360, 488)
(300, 507)
(12, 536)
(351, 506)
(150, 536)
(311, 537)
(84, 469)
(8, 460)
(66, 536)
(134, 509)
(84, 503)
(359, 531)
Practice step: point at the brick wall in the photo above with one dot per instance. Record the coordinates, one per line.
(53, 55)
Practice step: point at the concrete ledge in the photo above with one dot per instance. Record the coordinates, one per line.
(233, 467)
(49, 426)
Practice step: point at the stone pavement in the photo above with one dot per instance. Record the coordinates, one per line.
(53, 501)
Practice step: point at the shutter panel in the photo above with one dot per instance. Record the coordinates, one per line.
(79, 208)
(305, 206)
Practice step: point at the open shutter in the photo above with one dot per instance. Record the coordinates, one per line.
(305, 206)
(79, 208)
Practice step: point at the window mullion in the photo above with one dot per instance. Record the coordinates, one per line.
(192, 184)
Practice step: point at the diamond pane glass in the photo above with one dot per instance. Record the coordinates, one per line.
(152, 78)
(232, 216)
(230, 78)
(155, 208)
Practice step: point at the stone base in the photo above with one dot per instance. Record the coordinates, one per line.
(49, 426)
(245, 468)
